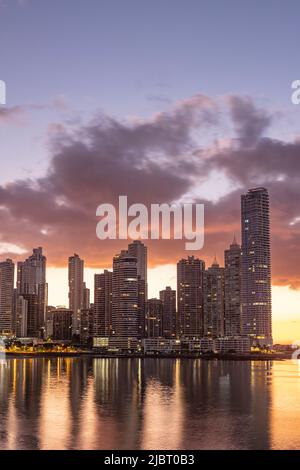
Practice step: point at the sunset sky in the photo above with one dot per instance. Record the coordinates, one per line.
(163, 101)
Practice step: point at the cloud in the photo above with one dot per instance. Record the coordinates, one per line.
(250, 122)
(160, 159)
(14, 114)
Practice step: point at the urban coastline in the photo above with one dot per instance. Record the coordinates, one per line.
(216, 312)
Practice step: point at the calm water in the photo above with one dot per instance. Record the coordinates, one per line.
(86, 403)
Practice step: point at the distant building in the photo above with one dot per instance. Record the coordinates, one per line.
(168, 298)
(62, 324)
(233, 320)
(85, 297)
(76, 288)
(87, 324)
(190, 296)
(33, 310)
(103, 304)
(160, 345)
(154, 318)
(7, 269)
(21, 317)
(256, 267)
(214, 301)
(233, 344)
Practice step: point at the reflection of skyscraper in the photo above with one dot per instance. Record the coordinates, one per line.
(233, 290)
(31, 284)
(256, 266)
(76, 287)
(125, 296)
(139, 251)
(190, 296)
(168, 298)
(7, 269)
(214, 301)
(103, 304)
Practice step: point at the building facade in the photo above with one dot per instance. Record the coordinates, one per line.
(125, 290)
(256, 267)
(103, 304)
(76, 290)
(32, 285)
(154, 318)
(190, 273)
(7, 270)
(232, 258)
(214, 301)
(168, 298)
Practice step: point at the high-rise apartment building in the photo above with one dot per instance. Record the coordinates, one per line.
(168, 298)
(256, 267)
(31, 281)
(190, 296)
(139, 251)
(214, 301)
(154, 318)
(76, 290)
(62, 324)
(232, 258)
(125, 296)
(103, 304)
(7, 269)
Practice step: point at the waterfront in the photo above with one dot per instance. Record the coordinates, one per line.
(102, 403)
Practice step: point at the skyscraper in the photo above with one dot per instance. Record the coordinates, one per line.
(31, 282)
(256, 267)
(21, 316)
(103, 304)
(125, 296)
(190, 296)
(76, 287)
(154, 318)
(139, 251)
(233, 289)
(168, 298)
(7, 269)
(214, 301)
(85, 297)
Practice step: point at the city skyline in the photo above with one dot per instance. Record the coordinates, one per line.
(212, 302)
(194, 118)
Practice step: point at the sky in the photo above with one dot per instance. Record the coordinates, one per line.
(164, 101)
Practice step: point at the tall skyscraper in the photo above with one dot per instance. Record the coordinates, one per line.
(190, 296)
(256, 267)
(233, 289)
(103, 304)
(7, 269)
(168, 298)
(214, 301)
(139, 251)
(31, 282)
(125, 321)
(154, 318)
(76, 287)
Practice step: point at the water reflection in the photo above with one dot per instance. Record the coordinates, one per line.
(86, 403)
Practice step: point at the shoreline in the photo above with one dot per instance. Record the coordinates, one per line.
(207, 357)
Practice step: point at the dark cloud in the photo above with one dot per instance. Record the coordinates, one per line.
(250, 122)
(156, 160)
